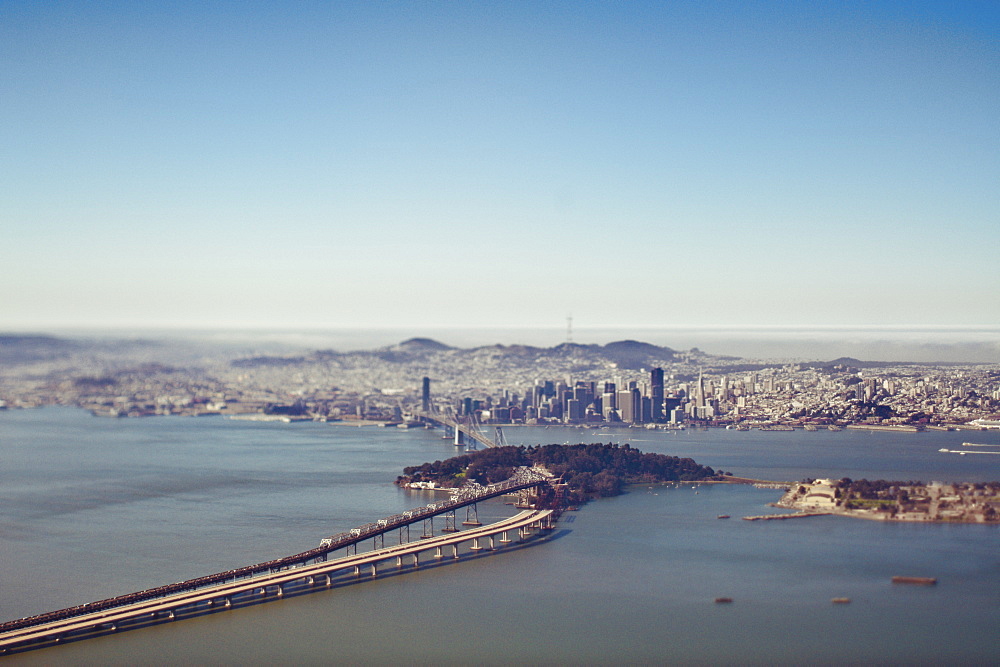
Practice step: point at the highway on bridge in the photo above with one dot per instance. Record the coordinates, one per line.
(223, 593)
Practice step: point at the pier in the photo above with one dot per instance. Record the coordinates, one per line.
(778, 517)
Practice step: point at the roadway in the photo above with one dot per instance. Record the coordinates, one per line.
(109, 618)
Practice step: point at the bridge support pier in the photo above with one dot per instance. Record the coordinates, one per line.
(374, 570)
(454, 551)
(357, 570)
(472, 516)
(438, 553)
(503, 538)
(229, 602)
(399, 562)
(475, 544)
(416, 559)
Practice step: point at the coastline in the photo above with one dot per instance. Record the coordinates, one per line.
(962, 503)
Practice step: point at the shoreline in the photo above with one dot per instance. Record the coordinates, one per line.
(104, 412)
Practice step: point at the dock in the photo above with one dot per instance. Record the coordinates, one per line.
(774, 517)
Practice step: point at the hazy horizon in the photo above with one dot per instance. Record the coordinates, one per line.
(974, 344)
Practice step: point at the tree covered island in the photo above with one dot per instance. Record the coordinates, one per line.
(590, 471)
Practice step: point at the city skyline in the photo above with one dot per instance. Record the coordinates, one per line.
(440, 165)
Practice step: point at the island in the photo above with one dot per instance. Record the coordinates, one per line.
(897, 501)
(587, 470)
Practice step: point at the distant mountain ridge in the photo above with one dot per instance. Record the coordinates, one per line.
(27, 348)
(626, 354)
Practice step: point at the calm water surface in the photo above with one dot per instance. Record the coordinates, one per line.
(91, 508)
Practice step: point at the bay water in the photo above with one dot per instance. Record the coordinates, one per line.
(91, 508)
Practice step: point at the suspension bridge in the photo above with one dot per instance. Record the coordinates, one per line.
(470, 428)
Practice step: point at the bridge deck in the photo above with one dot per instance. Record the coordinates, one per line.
(177, 601)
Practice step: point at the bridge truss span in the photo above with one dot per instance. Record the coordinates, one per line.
(224, 595)
(271, 571)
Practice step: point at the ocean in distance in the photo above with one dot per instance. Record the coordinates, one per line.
(95, 507)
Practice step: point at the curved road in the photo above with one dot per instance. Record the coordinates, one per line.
(109, 618)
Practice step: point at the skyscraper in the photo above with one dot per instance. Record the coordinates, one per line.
(656, 394)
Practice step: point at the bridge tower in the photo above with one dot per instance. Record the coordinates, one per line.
(472, 516)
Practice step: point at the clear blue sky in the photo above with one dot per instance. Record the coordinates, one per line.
(499, 164)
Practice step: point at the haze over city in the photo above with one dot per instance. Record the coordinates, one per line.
(307, 165)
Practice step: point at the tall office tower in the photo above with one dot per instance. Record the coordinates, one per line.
(608, 400)
(425, 395)
(700, 391)
(656, 394)
(609, 387)
(574, 410)
(625, 407)
(646, 414)
(630, 405)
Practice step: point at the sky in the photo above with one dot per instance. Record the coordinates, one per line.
(499, 164)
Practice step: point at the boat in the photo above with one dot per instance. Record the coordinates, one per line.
(841, 600)
(723, 516)
(723, 600)
(922, 581)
